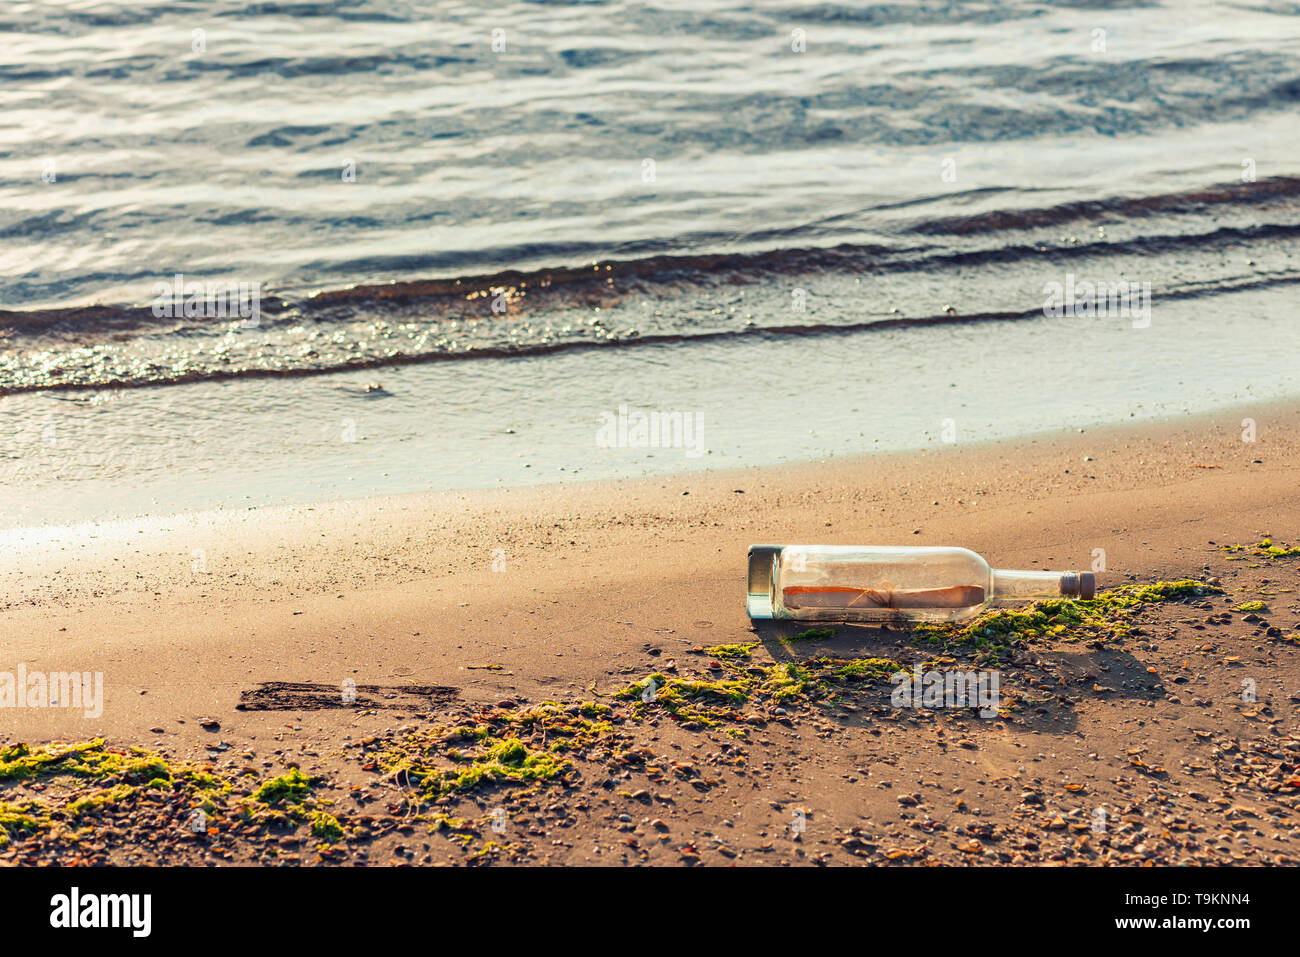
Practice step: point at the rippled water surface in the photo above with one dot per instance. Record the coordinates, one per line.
(405, 184)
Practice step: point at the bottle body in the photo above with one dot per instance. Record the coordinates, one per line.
(884, 583)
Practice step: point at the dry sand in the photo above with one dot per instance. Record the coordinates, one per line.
(596, 586)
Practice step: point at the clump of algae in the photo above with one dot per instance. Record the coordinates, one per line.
(287, 789)
(711, 701)
(566, 727)
(94, 777)
(1265, 548)
(811, 634)
(86, 759)
(1064, 618)
(326, 826)
(492, 753)
(491, 750)
(507, 760)
(288, 799)
(123, 772)
(863, 669)
(789, 680)
(17, 819)
(734, 652)
(78, 806)
(703, 700)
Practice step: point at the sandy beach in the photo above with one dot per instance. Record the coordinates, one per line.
(400, 653)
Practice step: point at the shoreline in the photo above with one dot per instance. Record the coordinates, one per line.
(1276, 412)
(409, 561)
(524, 422)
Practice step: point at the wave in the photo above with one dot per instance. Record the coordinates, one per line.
(160, 375)
(1128, 207)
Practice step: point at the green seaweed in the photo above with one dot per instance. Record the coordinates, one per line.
(86, 802)
(566, 727)
(17, 820)
(859, 669)
(287, 789)
(326, 826)
(665, 687)
(733, 652)
(88, 759)
(102, 778)
(503, 760)
(811, 634)
(788, 680)
(1064, 618)
(705, 700)
(1265, 548)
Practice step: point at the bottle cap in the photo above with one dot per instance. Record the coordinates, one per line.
(762, 560)
(1078, 585)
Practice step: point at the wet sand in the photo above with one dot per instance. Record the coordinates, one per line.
(448, 610)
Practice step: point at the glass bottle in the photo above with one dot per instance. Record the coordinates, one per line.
(882, 583)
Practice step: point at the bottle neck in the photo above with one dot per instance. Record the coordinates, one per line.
(1016, 586)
